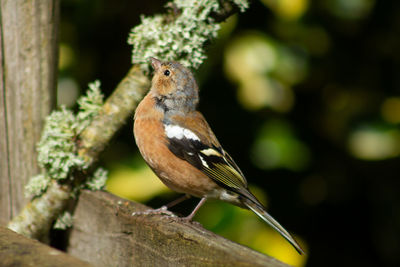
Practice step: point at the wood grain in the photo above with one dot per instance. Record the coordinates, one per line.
(28, 67)
(106, 234)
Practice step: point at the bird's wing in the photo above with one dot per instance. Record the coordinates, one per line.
(192, 139)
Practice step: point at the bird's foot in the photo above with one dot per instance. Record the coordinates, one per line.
(160, 211)
(190, 220)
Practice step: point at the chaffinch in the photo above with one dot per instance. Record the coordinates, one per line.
(179, 146)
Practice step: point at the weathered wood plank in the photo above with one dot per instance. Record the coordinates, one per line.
(19, 251)
(106, 234)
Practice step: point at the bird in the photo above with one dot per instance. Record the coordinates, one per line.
(179, 146)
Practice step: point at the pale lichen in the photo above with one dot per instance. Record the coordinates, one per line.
(64, 221)
(89, 105)
(182, 38)
(98, 180)
(37, 185)
(242, 4)
(57, 148)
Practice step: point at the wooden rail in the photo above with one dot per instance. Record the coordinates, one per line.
(106, 234)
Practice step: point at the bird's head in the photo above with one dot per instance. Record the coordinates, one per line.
(175, 84)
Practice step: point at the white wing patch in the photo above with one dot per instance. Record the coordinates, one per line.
(175, 131)
(211, 152)
(203, 162)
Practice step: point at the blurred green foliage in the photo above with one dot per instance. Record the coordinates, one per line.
(305, 95)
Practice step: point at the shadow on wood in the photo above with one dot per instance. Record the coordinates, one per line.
(18, 250)
(106, 234)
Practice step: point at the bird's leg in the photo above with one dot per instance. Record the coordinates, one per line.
(176, 201)
(191, 215)
(164, 209)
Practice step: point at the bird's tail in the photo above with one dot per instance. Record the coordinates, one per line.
(258, 209)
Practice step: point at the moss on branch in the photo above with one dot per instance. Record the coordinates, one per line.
(181, 35)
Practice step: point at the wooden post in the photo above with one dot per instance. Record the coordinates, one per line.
(28, 68)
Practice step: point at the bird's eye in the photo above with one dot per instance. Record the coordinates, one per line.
(167, 72)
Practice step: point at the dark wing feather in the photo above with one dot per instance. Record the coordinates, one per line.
(186, 149)
(213, 161)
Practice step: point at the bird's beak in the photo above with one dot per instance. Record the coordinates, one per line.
(155, 63)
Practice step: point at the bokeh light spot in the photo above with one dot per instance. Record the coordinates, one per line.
(276, 146)
(350, 9)
(287, 9)
(264, 71)
(374, 143)
(391, 110)
(249, 54)
(66, 56)
(67, 92)
(280, 249)
(139, 183)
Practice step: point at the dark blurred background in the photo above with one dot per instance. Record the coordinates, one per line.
(305, 96)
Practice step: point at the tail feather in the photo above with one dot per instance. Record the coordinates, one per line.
(260, 211)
